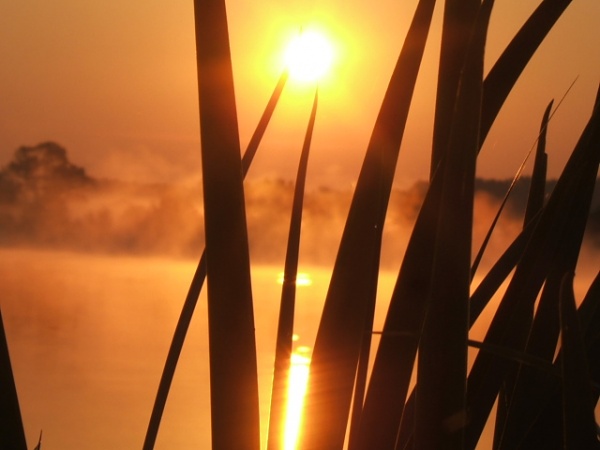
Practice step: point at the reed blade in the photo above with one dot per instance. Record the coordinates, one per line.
(189, 305)
(536, 191)
(459, 17)
(508, 68)
(578, 409)
(285, 327)
(525, 395)
(350, 295)
(535, 203)
(440, 408)
(547, 429)
(12, 433)
(232, 348)
(512, 321)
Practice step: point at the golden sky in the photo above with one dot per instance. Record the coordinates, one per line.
(114, 82)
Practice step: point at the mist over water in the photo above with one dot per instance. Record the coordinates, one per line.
(46, 201)
(94, 274)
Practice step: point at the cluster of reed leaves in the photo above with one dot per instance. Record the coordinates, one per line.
(543, 400)
(545, 397)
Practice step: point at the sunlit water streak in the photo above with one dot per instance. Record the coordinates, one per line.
(298, 381)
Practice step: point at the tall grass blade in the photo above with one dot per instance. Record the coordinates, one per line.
(509, 66)
(197, 282)
(512, 321)
(39, 444)
(388, 386)
(362, 371)
(547, 430)
(536, 190)
(442, 364)
(531, 387)
(350, 296)
(589, 317)
(590, 308)
(285, 327)
(578, 409)
(232, 348)
(181, 329)
(384, 406)
(12, 433)
(535, 203)
(499, 272)
(459, 16)
(259, 132)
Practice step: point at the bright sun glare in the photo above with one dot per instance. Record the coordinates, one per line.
(309, 56)
(296, 391)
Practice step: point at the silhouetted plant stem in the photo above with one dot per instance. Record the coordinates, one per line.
(536, 192)
(285, 328)
(580, 427)
(341, 331)
(508, 68)
(459, 16)
(510, 326)
(12, 433)
(440, 409)
(232, 348)
(195, 288)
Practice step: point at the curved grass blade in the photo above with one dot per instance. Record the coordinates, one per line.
(536, 190)
(197, 282)
(232, 348)
(526, 389)
(509, 66)
(440, 408)
(363, 363)
(12, 433)
(578, 409)
(459, 17)
(499, 272)
(547, 429)
(388, 386)
(590, 308)
(259, 132)
(39, 444)
(589, 317)
(502, 268)
(511, 323)
(285, 327)
(535, 203)
(532, 386)
(339, 338)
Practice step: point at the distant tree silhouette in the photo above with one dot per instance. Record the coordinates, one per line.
(45, 163)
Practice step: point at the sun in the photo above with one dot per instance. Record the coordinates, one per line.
(309, 56)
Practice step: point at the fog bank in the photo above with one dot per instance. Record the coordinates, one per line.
(47, 201)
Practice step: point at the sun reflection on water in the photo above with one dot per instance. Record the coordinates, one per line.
(298, 380)
(302, 279)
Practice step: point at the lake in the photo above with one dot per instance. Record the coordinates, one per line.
(89, 334)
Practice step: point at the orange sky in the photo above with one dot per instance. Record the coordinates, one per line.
(114, 82)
